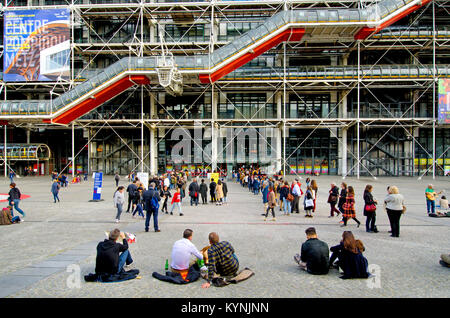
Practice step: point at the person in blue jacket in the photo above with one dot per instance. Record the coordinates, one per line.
(256, 186)
(55, 190)
(265, 193)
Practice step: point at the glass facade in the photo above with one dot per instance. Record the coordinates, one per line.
(309, 154)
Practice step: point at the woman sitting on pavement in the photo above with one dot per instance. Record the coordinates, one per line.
(350, 257)
(6, 217)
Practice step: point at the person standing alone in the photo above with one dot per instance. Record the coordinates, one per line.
(55, 190)
(119, 200)
(204, 192)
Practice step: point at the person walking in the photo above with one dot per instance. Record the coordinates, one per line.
(131, 190)
(219, 193)
(395, 208)
(349, 207)
(271, 204)
(119, 200)
(176, 201)
(117, 179)
(165, 194)
(431, 195)
(151, 198)
(55, 190)
(138, 202)
(14, 199)
(204, 192)
(370, 210)
(333, 199)
(342, 199)
(11, 176)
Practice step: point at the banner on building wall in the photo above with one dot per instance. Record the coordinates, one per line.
(293, 169)
(36, 45)
(447, 171)
(98, 180)
(444, 101)
(324, 169)
(316, 169)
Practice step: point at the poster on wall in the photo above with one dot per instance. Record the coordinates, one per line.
(143, 177)
(36, 45)
(444, 101)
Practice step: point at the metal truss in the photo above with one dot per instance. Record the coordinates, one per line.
(147, 16)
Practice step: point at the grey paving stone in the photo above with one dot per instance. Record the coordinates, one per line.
(36, 271)
(71, 231)
(11, 284)
(67, 257)
(53, 264)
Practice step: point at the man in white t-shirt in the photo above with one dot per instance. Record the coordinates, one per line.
(182, 252)
(167, 181)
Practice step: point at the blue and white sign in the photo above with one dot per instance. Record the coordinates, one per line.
(98, 179)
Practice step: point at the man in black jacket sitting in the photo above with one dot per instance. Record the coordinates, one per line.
(112, 256)
(314, 256)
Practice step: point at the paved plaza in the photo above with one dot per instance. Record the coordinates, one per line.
(36, 254)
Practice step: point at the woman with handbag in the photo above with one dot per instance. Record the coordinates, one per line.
(349, 207)
(309, 202)
(370, 210)
(286, 197)
(395, 208)
(333, 199)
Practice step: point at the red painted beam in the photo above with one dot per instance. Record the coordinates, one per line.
(291, 35)
(100, 98)
(366, 31)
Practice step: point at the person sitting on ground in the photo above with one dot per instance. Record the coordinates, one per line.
(112, 256)
(6, 217)
(222, 260)
(350, 257)
(182, 252)
(314, 257)
(445, 260)
(443, 203)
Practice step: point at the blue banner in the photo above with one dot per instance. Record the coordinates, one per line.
(98, 179)
(36, 45)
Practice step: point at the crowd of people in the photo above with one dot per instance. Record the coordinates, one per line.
(290, 198)
(219, 257)
(159, 191)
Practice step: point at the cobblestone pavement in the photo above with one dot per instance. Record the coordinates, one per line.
(408, 266)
